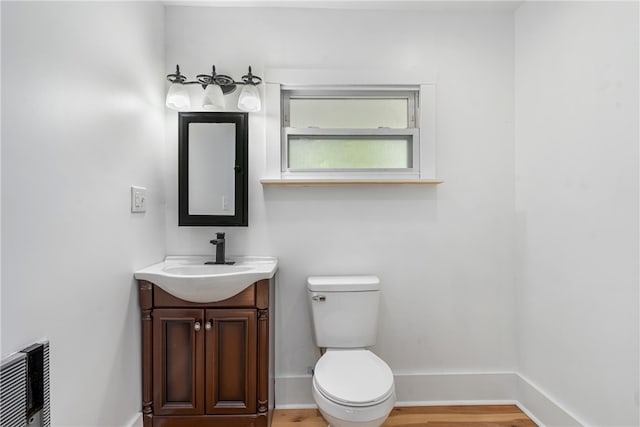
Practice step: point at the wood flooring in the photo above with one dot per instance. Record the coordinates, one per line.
(430, 416)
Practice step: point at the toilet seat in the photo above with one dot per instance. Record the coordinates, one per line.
(353, 377)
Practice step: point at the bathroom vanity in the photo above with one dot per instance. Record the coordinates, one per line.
(207, 364)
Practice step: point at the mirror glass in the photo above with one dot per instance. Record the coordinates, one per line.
(212, 154)
(212, 168)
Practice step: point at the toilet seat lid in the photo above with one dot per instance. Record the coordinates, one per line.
(353, 377)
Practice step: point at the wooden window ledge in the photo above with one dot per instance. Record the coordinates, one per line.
(343, 181)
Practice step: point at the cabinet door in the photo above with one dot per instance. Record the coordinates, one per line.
(178, 365)
(231, 365)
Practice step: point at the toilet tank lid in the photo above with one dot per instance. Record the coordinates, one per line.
(343, 283)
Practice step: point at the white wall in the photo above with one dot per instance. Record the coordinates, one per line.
(444, 253)
(82, 116)
(576, 80)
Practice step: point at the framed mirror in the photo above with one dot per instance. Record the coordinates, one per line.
(212, 169)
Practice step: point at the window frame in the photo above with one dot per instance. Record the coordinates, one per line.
(276, 79)
(411, 132)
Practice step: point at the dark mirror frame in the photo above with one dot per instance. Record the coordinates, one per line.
(241, 168)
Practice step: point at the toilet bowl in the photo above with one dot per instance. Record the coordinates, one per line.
(351, 386)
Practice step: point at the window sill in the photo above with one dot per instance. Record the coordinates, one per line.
(341, 181)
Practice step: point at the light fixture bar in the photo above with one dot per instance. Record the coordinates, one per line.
(227, 83)
(249, 100)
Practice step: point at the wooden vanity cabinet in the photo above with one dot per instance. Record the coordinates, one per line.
(207, 365)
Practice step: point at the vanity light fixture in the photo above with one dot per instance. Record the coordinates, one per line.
(249, 99)
(215, 86)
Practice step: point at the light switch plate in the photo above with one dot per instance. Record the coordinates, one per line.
(138, 199)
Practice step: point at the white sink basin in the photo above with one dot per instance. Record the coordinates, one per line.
(188, 278)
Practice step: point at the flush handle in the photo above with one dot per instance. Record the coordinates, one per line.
(318, 298)
(197, 327)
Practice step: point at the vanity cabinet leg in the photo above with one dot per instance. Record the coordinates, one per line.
(146, 304)
(262, 304)
(263, 362)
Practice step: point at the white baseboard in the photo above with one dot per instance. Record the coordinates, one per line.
(446, 388)
(136, 421)
(419, 389)
(541, 408)
(416, 389)
(294, 393)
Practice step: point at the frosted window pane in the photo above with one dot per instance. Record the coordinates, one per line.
(353, 153)
(348, 113)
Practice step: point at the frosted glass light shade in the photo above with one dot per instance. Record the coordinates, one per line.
(213, 98)
(177, 97)
(249, 99)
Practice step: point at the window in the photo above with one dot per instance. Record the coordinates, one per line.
(350, 133)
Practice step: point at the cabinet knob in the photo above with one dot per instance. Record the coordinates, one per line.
(207, 325)
(197, 326)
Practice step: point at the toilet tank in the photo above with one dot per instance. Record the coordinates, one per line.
(344, 310)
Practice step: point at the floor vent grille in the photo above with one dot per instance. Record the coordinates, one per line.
(13, 391)
(24, 388)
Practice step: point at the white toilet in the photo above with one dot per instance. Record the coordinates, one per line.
(351, 385)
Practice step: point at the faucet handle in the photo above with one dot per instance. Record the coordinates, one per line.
(219, 239)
